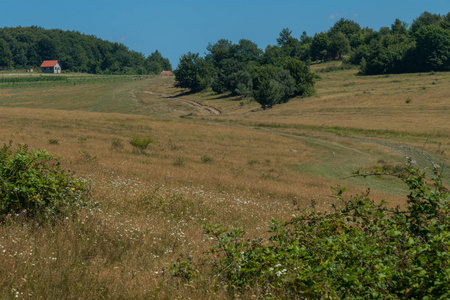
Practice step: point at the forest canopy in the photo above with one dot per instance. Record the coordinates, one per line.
(27, 47)
(422, 46)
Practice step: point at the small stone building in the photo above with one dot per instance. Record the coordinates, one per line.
(51, 66)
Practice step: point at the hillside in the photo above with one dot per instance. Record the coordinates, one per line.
(238, 168)
(364, 112)
(25, 47)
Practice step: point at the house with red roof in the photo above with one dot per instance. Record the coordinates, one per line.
(166, 73)
(51, 66)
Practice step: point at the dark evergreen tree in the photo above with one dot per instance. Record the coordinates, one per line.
(285, 34)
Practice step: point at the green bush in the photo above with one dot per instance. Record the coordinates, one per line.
(363, 250)
(32, 184)
(140, 144)
(53, 142)
(206, 159)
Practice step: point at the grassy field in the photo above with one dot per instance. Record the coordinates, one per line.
(239, 168)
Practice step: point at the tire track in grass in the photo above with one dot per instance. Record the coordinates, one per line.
(197, 105)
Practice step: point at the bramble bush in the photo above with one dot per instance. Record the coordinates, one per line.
(32, 184)
(362, 250)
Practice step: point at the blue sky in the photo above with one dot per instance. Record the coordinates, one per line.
(175, 27)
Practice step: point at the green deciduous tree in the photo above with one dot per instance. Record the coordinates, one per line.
(399, 27)
(272, 85)
(223, 80)
(20, 58)
(347, 27)
(191, 72)
(155, 63)
(319, 46)
(300, 72)
(432, 48)
(425, 19)
(339, 45)
(75, 51)
(47, 48)
(246, 51)
(220, 51)
(6, 57)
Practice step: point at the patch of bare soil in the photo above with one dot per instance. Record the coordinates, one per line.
(200, 106)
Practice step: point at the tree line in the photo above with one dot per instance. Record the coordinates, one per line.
(281, 71)
(245, 70)
(27, 47)
(422, 46)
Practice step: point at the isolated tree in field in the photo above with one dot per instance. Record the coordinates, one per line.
(191, 73)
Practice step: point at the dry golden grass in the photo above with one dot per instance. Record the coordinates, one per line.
(203, 169)
(345, 99)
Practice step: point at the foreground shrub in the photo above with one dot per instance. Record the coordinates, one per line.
(362, 250)
(32, 184)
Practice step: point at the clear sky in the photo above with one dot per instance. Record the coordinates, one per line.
(175, 27)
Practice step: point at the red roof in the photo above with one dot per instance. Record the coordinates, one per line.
(167, 73)
(49, 63)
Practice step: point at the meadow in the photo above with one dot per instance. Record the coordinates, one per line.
(239, 168)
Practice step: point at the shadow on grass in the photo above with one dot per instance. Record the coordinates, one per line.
(227, 96)
(182, 94)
